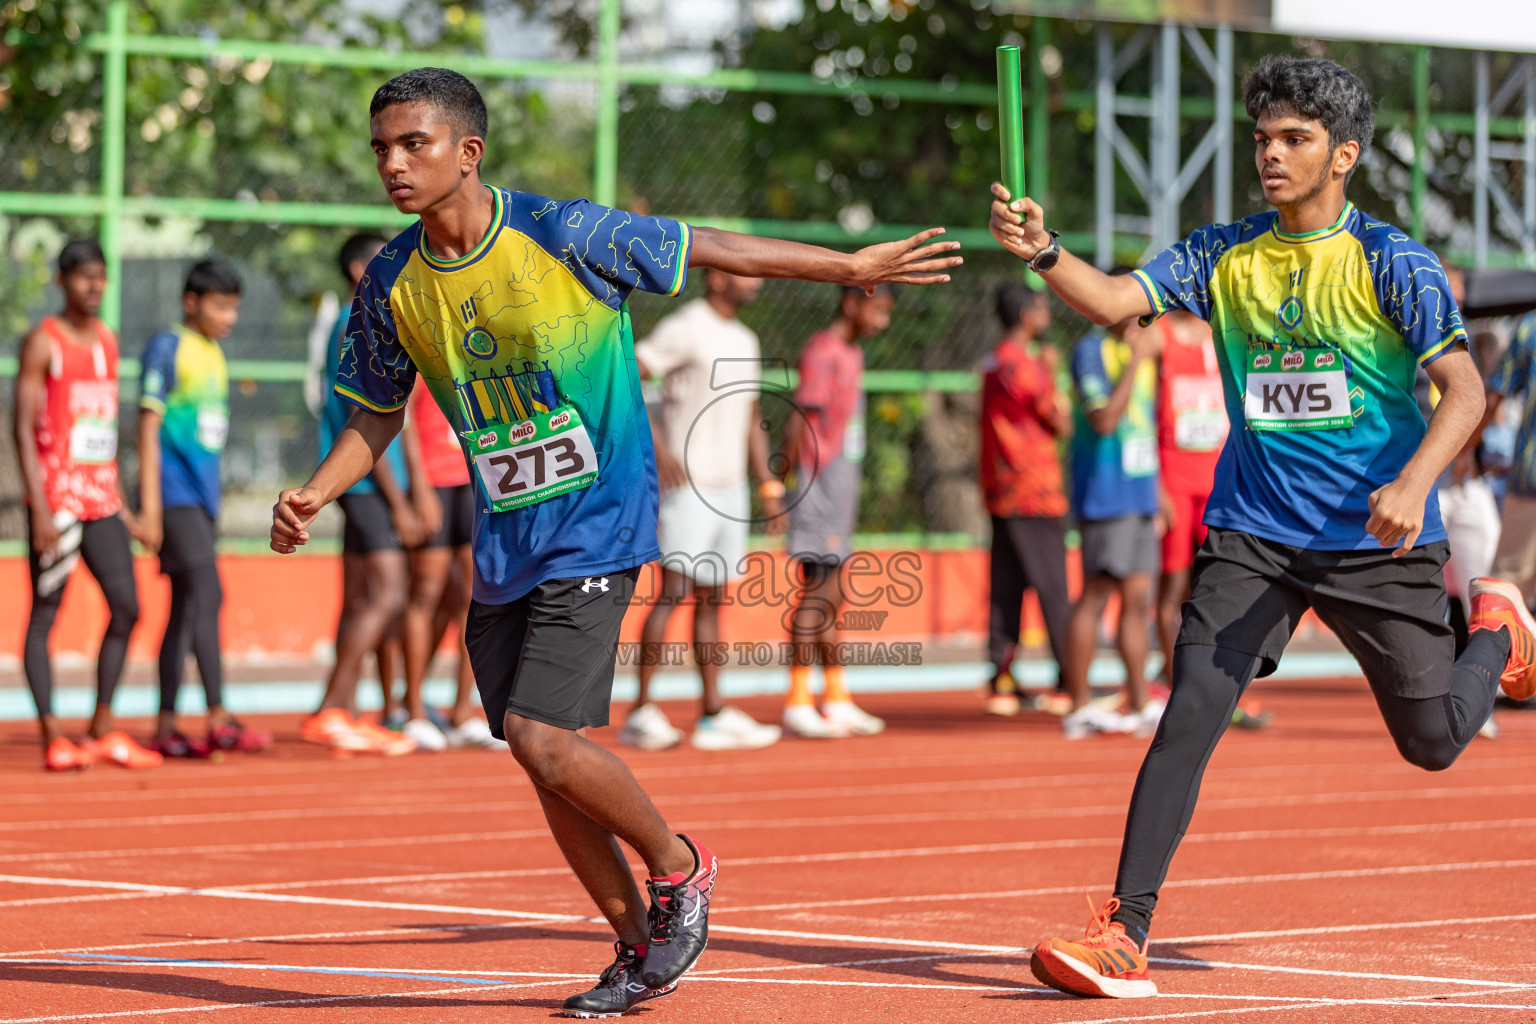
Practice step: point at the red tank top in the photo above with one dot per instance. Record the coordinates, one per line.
(77, 424)
(441, 457)
(1191, 413)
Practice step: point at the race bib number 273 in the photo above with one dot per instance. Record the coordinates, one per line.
(1303, 389)
(533, 460)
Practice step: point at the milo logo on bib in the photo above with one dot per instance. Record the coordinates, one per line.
(531, 461)
(521, 431)
(1309, 390)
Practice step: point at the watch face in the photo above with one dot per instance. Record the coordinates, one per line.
(1045, 260)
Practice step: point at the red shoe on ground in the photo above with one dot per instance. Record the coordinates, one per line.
(180, 745)
(232, 735)
(124, 751)
(1105, 963)
(63, 756)
(1497, 604)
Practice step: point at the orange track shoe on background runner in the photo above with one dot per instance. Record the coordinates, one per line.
(62, 755)
(124, 751)
(1499, 603)
(1104, 963)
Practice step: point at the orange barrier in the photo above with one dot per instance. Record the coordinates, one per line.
(286, 608)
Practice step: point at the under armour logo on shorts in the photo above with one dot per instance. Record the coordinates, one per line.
(602, 584)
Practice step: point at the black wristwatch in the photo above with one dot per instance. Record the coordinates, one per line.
(1046, 258)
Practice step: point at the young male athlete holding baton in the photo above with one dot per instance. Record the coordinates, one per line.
(1324, 492)
(512, 308)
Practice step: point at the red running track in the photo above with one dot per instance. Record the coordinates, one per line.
(895, 878)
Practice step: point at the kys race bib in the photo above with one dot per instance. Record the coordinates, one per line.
(533, 460)
(1303, 389)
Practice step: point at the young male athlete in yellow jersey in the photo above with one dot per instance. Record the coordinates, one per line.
(512, 307)
(1324, 493)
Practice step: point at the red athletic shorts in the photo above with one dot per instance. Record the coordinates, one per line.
(1186, 532)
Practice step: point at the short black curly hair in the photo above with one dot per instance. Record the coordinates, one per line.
(453, 94)
(1318, 90)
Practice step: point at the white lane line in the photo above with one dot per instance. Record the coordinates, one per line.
(457, 990)
(99, 897)
(1340, 929)
(456, 929)
(337, 970)
(1277, 969)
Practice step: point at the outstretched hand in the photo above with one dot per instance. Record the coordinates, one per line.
(908, 261)
(1017, 224)
(292, 516)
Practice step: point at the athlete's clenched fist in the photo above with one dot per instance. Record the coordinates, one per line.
(295, 510)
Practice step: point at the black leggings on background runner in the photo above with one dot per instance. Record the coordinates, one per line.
(196, 596)
(1429, 732)
(105, 552)
(1027, 551)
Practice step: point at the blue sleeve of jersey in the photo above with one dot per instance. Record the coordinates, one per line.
(375, 372)
(1089, 376)
(1179, 277)
(1514, 371)
(1413, 293)
(157, 373)
(622, 250)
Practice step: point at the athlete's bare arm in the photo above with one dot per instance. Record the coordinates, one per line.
(1397, 510)
(762, 470)
(913, 260)
(151, 521)
(358, 447)
(424, 499)
(1019, 226)
(31, 393)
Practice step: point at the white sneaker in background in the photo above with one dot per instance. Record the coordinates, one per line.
(852, 717)
(648, 728)
(732, 729)
(805, 721)
(1490, 729)
(1150, 714)
(474, 733)
(428, 737)
(1095, 720)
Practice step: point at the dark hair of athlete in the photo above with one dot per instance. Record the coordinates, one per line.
(79, 252)
(212, 277)
(455, 96)
(1013, 299)
(1315, 90)
(358, 249)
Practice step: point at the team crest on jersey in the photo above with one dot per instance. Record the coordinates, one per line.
(480, 343)
(1290, 313)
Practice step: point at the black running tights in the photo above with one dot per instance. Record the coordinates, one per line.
(104, 549)
(196, 596)
(1208, 681)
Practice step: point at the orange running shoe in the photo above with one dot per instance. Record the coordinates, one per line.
(1105, 963)
(62, 755)
(337, 729)
(385, 741)
(124, 751)
(1495, 605)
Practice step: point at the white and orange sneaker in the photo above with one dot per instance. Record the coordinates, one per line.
(385, 741)
(1107, 962)
(1498, 604)
(124, 751)
(62, 755)
(335, 728)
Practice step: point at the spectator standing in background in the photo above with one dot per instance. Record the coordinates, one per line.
(378, 516)
(66, 447)
(825, 445)
(709, 431)
(1022, 419)
(1115, 498)
(1515, 556)
(183, 424)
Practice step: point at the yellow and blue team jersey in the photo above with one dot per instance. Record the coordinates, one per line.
(1114, 474)
(1514, 377)
(532, 319)
(1359, 295)
(184, 378)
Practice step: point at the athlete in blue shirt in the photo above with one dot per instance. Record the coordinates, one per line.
(1324, 490)
(512, 307)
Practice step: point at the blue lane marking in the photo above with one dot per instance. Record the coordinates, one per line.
(102, 958)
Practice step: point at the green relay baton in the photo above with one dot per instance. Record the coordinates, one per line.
(1010, 120)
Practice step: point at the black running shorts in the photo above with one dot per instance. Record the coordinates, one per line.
(1249, 595)
(549, 655)
(458, 517)
(189, 539)
(369, 526)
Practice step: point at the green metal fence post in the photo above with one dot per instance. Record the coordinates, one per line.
(605, 157)
(114, 117)
(1039, 114)
(1420, 137)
